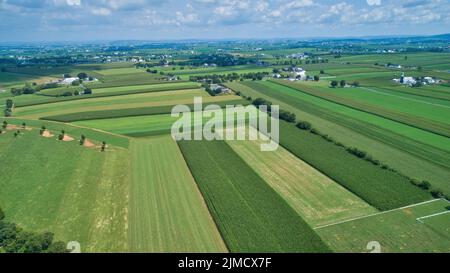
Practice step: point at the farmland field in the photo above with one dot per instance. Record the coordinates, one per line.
(412, 158)
(75, 192)
(396, 231)
(362, 158)
(115, 102)
(249, 214)
(382, 189)
(167, 211)
(318, 199)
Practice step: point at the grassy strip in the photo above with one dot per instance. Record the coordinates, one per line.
(52, 99)
(381, 188)
(130, 112)
(251, 216)
(413, 121)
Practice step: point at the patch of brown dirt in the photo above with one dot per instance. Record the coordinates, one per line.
(12, 127)
(68, 138)
(47, 133)
(88, 144)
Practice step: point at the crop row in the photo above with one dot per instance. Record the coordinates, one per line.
(381, 188)
(250, 215)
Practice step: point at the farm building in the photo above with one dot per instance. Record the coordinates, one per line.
(68, 81)
(220, 89)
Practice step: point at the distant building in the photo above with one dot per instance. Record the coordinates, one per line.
(219, 89)
(68, 81)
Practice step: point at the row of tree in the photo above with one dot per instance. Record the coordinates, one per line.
(343, 83)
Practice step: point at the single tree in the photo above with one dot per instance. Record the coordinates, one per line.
(82, 140)
(103, 146)
(316, 78)
(334, 84)
(5, 124)
(82, 75)
(342, 83)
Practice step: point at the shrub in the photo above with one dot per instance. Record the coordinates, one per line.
(425, 185)
(357, 152)
(304, 125)
(287, 116)
(436, 193)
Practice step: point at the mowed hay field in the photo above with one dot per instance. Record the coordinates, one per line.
(115, 102)
(317, 198)
(78, 193)
(396, 231)
(250, 215)
(167, 211)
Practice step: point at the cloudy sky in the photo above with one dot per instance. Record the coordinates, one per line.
(62, 20)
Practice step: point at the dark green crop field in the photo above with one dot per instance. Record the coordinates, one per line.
(250, 215)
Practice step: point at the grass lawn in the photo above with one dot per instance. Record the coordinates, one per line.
(167, 211)
(396, 231)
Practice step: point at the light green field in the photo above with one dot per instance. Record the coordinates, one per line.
(119, 71)
(396, 231)
(117, 102)
(318, 199)
(182, 85)
(167, 211)
(422, 107)
(140, 125)
(402, 129)
(78, 193)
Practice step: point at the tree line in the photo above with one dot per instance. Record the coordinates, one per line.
(14, 239)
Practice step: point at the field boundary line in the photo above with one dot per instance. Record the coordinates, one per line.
(378, 213)
(432, 215)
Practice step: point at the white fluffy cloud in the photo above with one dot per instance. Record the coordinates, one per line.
(374, 2)
(73, 2)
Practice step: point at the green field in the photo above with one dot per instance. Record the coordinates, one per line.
(116, 102)
(222, 101)
(317, 198)
(410, 157)
(119, 71)
(147, 87)
(138, 126)
(167, 211)
(380, 188)
(396, 231)
(78, 193)
(250, 215)
(432, 116)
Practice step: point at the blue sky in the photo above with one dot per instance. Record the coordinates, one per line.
(62, 20)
